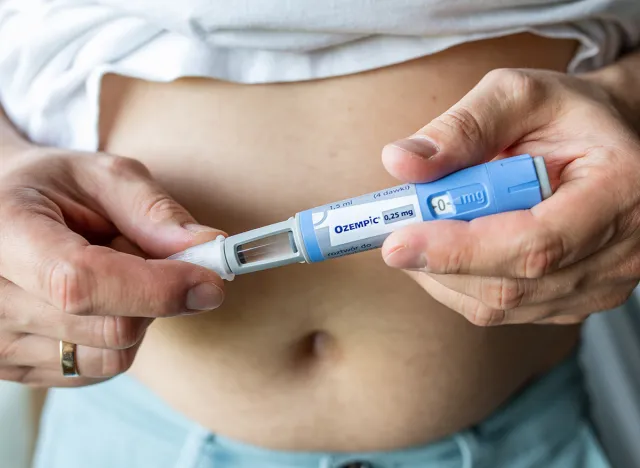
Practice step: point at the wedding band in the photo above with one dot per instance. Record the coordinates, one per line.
(68, 359)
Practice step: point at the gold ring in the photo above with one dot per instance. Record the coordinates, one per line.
(68, 359)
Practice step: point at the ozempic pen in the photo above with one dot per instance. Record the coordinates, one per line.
(363, 223)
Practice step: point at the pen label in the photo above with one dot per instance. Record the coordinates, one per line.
(363, 223)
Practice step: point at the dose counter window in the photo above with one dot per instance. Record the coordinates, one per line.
(266, 248)
(442, 205)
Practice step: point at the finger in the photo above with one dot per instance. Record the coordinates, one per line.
(40, 255)
(500, 293)
(582, 306)
(483, 315)
(501, 109)
(43, 378)
(141, 209)
(23, 313)
(577, 305)
(511, 293)
(519, 244)
(473, 310)
(44, 353)
(612, 266)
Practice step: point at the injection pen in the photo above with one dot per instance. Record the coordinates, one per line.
(363, 223)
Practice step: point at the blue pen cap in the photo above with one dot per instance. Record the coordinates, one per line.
(516, 182)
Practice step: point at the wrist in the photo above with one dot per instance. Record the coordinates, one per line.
(621, 81)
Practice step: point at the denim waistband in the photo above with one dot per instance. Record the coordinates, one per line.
(549, 409)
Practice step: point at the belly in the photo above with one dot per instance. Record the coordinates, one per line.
(342, 355)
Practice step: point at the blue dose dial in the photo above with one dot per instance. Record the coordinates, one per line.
(490, 188)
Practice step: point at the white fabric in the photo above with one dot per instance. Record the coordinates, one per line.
(53, 53)
(17, 428)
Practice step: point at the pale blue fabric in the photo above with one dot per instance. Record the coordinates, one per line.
(121, 424)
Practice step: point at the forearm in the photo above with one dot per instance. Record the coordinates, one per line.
(622, 81)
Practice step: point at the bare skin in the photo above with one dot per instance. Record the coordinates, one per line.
(346, 355)
(308, 352)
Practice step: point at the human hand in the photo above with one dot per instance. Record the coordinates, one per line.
(574, 254)
(60, 281)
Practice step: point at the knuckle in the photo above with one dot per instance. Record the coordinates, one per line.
(500, 76)
(447, 261)
(117, 332)
(69, 286)
(541, 256)
(160, 207)
(121, 166)
(115, 362)
(536, 264)
(462, 122)
(517, 84)
(483, 316)
(503, 294)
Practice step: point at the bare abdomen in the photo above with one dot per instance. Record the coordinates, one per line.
(342, 355)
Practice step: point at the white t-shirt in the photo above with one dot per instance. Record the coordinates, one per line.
(53, 53)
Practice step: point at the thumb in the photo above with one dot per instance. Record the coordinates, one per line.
(142, 210)
(495, 114)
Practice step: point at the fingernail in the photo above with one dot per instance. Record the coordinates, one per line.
(198, 228)
(205, 296)
(406, 259)
(419, 146)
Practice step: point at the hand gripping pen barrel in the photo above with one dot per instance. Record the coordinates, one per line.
(363, 223)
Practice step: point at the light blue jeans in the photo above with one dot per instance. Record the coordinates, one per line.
(121, 424)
